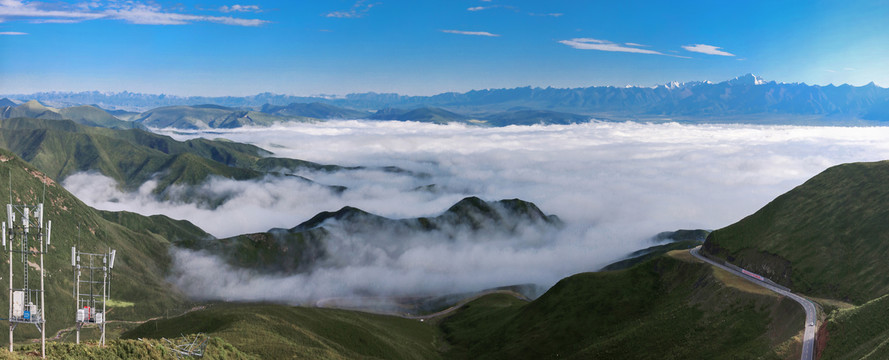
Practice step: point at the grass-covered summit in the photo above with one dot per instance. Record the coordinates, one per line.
(828, 237)
(84, 114)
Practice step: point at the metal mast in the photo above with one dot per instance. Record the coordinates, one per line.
(87, 296)
(27, 237)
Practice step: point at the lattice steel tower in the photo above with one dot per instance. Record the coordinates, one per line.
(90, 291)
(26, 238)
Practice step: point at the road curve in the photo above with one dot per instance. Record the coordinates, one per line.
(809, 335)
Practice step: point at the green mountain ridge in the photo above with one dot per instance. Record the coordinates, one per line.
(827, 237)
(303, 247)
(209, 117)
(32, 109)
(664, 308)
(84, 114)
(94, 116)
(131, 157)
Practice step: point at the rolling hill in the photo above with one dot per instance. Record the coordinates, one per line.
(131, 157)
(423, 114)
(669, 307)
(93, 116)
(827, 237)
(84, 114)
(208, 116)
(315, 110)
(32, 109)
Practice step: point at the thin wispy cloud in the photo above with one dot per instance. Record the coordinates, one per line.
(510, 7)
(474, 33)
(605, 45)
(635, 44)
(706, 49)
(12, 33)
(240, 8)
(359, 9)
(132, 12)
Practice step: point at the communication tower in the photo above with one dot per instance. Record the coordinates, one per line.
(26, 239)
(92, 287)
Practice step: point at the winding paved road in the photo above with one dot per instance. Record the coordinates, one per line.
(809, 335)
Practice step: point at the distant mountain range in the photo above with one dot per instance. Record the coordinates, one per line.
(209, 116)
(747, 98)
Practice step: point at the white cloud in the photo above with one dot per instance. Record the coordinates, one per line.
(359, 9)
(475, 33)
(12, 33)
(706, 49)
(605, 45)
(614, 184)
(240, 8)
(635, 44)
(131, 11)
(479, 8)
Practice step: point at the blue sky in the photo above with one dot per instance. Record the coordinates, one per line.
(302, 47)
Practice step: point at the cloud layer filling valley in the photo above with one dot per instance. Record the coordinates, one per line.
(614, 184)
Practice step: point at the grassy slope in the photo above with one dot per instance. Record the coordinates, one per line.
(122, 349)
(278, 331)
(650, 253)
(202, 117)
(62, 148)
(93, 116)
(665, 308)
(828, 237)
(141, 243)
(858, 333)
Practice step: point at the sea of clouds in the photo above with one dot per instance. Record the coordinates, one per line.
(615, 185)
